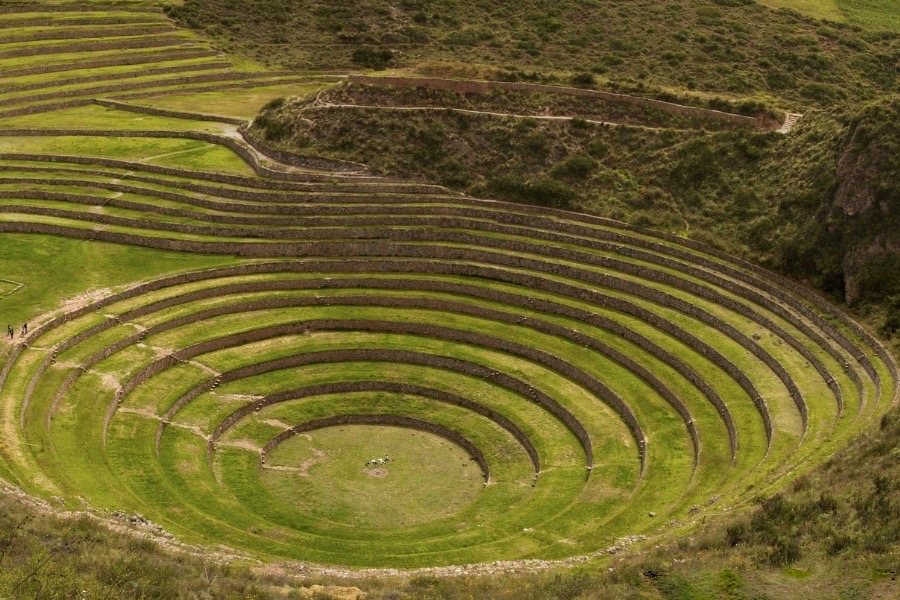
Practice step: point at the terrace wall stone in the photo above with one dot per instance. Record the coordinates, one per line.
(113, 76)
(482, 87)
(392, 420)
(134, 85)
(79, 22)
(371, 355)
(125, 59)
(54, 8)
(96, 46)
(301, 160)
(288, 184)
(58, 33)
(165, 112)
(459, 269)
(328, 389)
(431, 304)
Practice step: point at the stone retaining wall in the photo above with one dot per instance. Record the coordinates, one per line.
(393, 420)
(329, 389)
(42, 108)
(372, 249)
(358, 355)
(126, 59)
(80, 22)
(299, 160)
(43, 8)
(481, 87)
(134, 44)
(305, 193)
(432, 304)
(113, 76)
(137, 85)
(466, 270)
(284, 185)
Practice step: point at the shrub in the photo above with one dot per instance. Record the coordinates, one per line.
(584, 79)
(785, 550)
(543, 192)
(373, 58)
(536, 144)
(274, 103)
(737, 533)
(577, 167)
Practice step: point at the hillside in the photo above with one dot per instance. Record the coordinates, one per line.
(727, 47)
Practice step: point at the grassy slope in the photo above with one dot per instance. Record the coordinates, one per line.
(725, 46)
(876, 15)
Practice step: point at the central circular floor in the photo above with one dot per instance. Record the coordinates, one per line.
(324, 474)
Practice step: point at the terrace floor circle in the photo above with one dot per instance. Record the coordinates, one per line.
(324, 473)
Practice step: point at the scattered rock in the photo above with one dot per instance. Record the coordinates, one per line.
(332, 591)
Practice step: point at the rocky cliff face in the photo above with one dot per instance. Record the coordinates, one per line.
(865, 210)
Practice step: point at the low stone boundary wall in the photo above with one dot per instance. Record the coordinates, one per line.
(393, 420)
(481, 87)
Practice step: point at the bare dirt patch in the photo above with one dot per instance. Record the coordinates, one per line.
(303, 468)
(84, 299)
(377, 472)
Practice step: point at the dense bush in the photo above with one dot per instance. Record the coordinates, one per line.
(373, 58)
(543, 191)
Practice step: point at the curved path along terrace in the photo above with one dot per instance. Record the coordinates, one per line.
(603, 381)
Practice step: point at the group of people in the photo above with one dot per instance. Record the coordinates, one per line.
(11, 333)
(377, 462)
